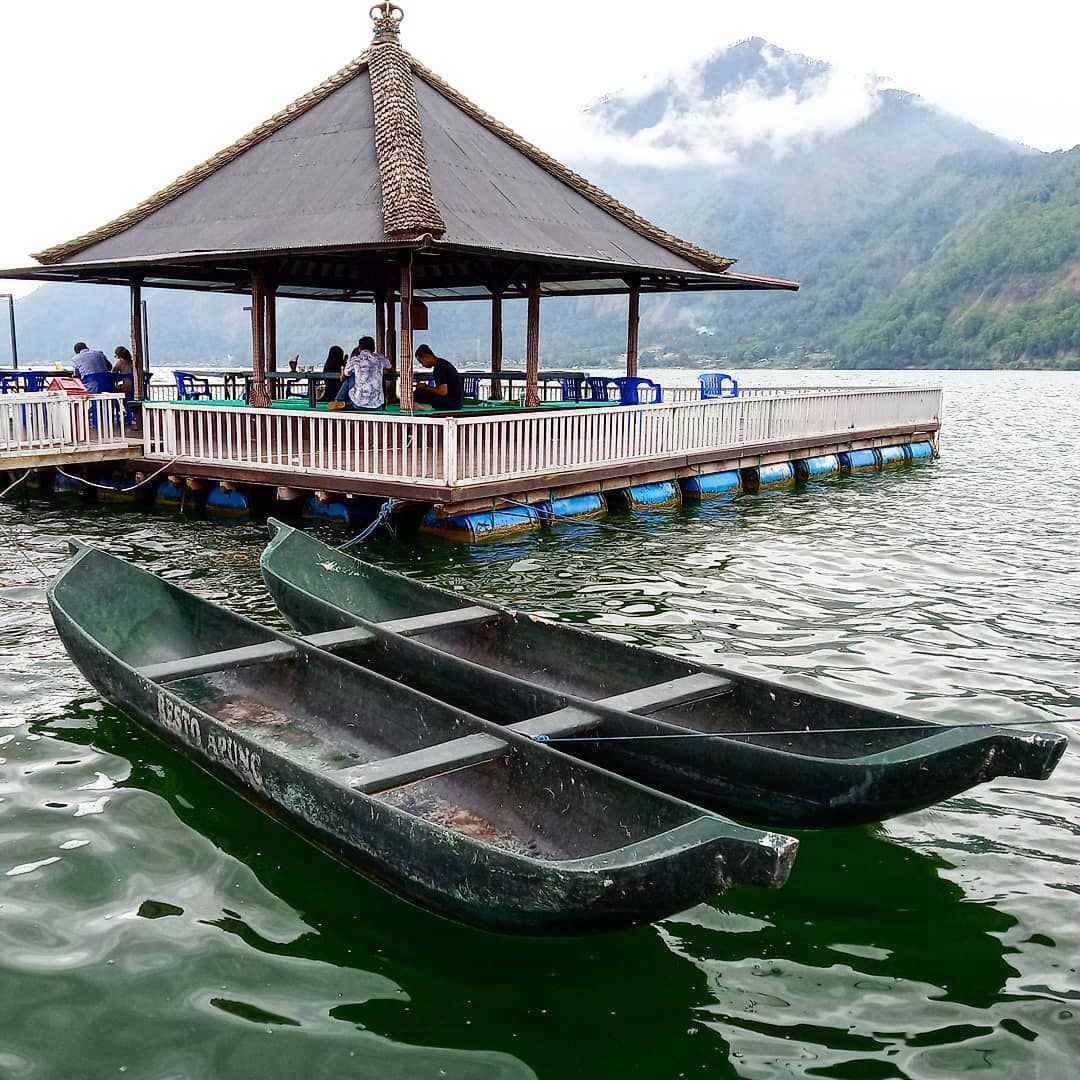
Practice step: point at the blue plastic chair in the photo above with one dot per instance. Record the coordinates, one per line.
(571, 389)
(191, 388)
(11, 384)
(718, 385)
(103, 382)
(631, 388)
(470, 386)
(598, 386)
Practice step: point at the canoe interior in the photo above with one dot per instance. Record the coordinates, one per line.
(328, 715)
(557, 661)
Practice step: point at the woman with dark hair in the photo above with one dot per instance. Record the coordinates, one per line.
(335, 362)
(124, 370)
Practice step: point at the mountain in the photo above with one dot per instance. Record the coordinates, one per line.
(919, 239)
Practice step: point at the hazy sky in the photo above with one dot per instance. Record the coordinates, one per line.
(104, 102)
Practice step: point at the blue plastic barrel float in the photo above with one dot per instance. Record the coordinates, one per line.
(331, 511)
(711, 485)
(920, 451)
(853, 461)
(483, 524)
(227, 502)
(891, 455)
(659, 496)
(67, 485)
(825, 465)
(169, 495)
(552, 511)
(117, 488)
(780, 474)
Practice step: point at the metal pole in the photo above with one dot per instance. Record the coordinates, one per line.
(11, 318)
(145, 340)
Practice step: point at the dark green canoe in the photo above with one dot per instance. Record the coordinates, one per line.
(813, 761)
(476, 821)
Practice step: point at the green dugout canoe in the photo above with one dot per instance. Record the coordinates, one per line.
(473, 820)
(811, 760)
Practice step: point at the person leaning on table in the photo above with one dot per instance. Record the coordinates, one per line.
(87, 361)
(446, 394)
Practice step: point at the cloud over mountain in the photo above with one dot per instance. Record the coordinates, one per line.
(749, 97)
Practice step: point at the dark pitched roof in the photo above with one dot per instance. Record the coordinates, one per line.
(385, 151)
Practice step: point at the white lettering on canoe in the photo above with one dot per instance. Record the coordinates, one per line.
(240, 758)
(219, 746)
(177, 719)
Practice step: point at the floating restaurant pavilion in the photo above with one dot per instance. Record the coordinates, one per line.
(385, 186)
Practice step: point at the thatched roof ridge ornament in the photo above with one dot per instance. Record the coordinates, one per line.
(408, 201)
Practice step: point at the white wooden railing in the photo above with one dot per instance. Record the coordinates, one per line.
(467, 450)
(32, 423)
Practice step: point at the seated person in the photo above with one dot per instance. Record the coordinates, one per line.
(87, 361)
(363, 385)
(335, 363)
(124, 370)
(446, 394)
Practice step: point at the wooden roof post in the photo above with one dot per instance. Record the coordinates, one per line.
(532, 343)
(270, 321)
(137, 357)
(405, 348)
(496, 336)
(391, 326)
(380, 319)
(259, 397)
(632, 326)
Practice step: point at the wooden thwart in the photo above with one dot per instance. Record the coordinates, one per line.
(330, 640)
(433, 761)
(248, 655)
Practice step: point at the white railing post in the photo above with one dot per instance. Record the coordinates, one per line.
(450, 450)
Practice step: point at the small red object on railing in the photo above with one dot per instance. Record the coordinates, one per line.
(67, 384)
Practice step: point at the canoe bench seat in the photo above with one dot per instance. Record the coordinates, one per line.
(432, 761)
(248, 655)
(329, 640)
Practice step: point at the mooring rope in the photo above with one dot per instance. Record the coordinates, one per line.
(8, 533)
(384, 513)
(119, 491)
(927, 729)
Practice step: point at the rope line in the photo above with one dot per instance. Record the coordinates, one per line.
(384, 513)
(931, 729)
(109, 487)
(9, 533)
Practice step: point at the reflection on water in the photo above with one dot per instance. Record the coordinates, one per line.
(159, 924)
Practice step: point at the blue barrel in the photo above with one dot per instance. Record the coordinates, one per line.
(227, 503)
(711, 485)
(332, 512)
(551, 511)
(116, 488)
(920, 451)
(892, 455)
(65, 485)
(483, 525)
(859, 460)
(825, 465)
(172, 496)
(659, 496)
(782, 474)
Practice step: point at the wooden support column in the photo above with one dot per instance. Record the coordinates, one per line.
(391, 327)
(138, 360)
(259, 397)
(270, 323)
(380, 321)
(405, 340)
(632, 326)
(496, 337)
(532, 344)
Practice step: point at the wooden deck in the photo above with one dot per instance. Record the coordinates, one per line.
(467, 458)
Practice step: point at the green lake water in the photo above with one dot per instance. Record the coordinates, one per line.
(153, 925)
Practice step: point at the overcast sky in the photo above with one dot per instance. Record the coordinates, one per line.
(104, 102)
